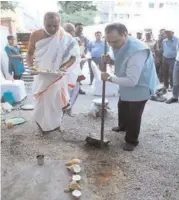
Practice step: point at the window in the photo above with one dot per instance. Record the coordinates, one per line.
(161, 5)
(151, 5)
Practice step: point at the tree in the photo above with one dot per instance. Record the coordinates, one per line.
(69, 7)
(8, 5)
(77, 11)
(74, 18)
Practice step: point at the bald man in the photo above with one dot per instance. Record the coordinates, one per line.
(53, 49)
(69, 28)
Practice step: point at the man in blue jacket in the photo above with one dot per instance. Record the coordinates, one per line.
(135, 73)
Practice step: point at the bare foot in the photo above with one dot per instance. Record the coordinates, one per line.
(61, 130)
(40, 130)
(42, 133)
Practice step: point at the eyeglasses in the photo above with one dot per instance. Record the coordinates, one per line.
(114, 42)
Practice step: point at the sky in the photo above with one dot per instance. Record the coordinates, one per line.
(38, 7)
(40, 4)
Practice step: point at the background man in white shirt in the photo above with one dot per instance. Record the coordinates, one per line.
(175, 90)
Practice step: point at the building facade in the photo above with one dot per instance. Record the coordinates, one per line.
(21, 20)
(140, 14)
(111, 11)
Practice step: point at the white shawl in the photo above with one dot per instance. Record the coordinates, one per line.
(50, 54)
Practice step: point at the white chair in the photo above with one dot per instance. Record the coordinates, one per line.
(17, 87)
(111, 88)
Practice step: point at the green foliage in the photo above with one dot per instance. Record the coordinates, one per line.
(69, 7)
(77, 11)
(8, 5)
(84, 17)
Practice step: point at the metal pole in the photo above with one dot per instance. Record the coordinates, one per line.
(103, 101)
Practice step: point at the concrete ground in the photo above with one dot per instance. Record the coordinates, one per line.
(150, 172)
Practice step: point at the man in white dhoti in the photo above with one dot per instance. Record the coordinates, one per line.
(53, 49)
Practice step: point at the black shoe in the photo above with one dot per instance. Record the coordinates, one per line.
(118, 129)
(172, 100)
(129, 147)
(82, 92)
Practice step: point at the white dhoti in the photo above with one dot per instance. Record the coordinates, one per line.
(50, 91)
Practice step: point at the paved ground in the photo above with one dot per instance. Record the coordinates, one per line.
(151, 172)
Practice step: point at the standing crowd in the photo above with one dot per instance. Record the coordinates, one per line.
(166, 55)
(139, 65)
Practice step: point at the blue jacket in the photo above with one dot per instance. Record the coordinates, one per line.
(148, 80)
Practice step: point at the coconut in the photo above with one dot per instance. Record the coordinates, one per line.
(76, 194)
